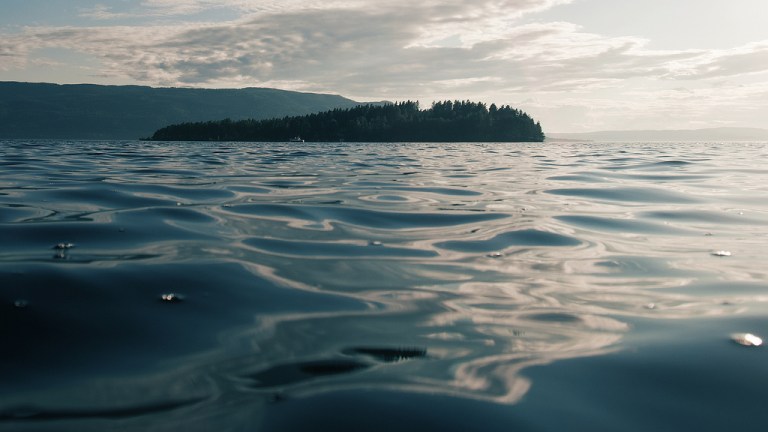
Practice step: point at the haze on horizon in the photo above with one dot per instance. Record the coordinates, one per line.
(574, 65)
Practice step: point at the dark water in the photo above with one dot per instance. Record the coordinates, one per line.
(387, 287)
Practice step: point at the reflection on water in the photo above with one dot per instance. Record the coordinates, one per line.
(444, 269)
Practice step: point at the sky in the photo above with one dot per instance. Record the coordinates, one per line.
(574, 65)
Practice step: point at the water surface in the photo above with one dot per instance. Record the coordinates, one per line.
(255, 286)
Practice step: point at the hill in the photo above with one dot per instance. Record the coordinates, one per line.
(708, 134)
(401, 122)
(87, 111)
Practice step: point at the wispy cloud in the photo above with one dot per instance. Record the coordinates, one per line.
(748, 59)
(102, 12)
(348, 49)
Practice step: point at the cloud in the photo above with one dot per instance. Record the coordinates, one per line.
(9, 52)
(443, 10)
(389, 48)
(392, 49)
(102, 12)
(748, 59)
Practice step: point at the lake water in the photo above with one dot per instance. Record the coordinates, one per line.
(385, 287)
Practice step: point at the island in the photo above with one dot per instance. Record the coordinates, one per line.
(446, 121)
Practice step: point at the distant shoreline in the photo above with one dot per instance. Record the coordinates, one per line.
(681, 135)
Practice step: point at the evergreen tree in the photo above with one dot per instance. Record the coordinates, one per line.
(445, 121)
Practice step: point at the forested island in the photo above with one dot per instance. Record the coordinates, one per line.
(447, 121)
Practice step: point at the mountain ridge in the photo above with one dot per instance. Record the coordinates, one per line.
(93, 111)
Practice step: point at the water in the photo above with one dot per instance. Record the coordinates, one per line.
(243, 287)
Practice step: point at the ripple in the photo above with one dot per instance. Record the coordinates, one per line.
(530, 237)
(194, 192)
(388, 355)
(621, 225)
(18, 213)
(390, 198)
(128, 232)
(101, 197)
(578, 178)
(699, 216)
(632, 164)
(31, 413)
(438, 190)
(554, 317)
(292, 373)
(330, 249)
(365, 217)
(641, 266)
(627, 194)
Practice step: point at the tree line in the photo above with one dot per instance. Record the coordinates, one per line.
(446, 121)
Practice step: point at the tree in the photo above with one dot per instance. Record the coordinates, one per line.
(448, 121)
